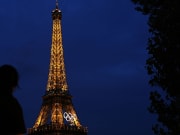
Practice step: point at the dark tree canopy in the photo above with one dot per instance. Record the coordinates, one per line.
(163, 64)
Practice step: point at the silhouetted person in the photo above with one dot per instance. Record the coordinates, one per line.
(11, 115)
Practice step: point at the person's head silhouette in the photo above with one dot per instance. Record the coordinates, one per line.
(8, 78)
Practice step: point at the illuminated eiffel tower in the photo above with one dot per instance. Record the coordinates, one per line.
(57, 115)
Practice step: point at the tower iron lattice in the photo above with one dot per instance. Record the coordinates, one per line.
(57, 115)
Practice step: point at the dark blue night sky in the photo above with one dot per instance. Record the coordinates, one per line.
(105, 51)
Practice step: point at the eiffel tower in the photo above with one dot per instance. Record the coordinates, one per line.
(57, 115)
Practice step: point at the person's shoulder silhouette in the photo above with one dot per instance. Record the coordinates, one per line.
(11, 114)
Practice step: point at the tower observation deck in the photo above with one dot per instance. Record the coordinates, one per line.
(57, 115)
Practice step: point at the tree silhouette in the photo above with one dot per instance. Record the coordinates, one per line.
(163, 64)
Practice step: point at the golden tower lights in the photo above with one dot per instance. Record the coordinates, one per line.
(57, 115)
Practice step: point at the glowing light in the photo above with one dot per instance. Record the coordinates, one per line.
(69, 117)
(57, 75)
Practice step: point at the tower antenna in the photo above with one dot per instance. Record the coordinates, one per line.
(56, 4)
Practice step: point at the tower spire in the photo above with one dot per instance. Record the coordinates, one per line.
(57, 4)
(57, 75)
